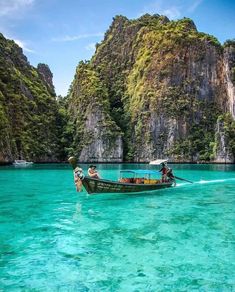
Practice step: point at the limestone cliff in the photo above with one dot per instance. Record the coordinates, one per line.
(224, 145)
(167, 85)
(28, 109)
(229, 74)
(153, 89)
(47, 76)
(96, 136)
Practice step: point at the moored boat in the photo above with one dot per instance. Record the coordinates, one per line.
(21, 162)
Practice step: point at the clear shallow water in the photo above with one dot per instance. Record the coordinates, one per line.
(178, 239)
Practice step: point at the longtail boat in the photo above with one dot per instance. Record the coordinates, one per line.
(130, 181)
(95, 186)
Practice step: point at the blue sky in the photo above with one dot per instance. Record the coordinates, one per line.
(60, 33)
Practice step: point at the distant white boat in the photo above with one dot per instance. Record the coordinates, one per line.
(22, 163)
(158, 161)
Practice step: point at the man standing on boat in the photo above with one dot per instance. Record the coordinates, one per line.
(167, 173)
(164, 170)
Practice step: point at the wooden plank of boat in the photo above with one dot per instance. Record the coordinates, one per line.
(95, 186)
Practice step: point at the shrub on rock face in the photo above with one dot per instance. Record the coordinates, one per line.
(96, 135)
(229, 43)
(153, 88)
(27, 108)
(161, 79)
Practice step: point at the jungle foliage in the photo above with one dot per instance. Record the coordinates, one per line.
(144, 65)
(148, 81)
(28, 111)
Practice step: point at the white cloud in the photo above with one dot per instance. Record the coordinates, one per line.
(194, 5)
(23, 46)
(164, 8)
(77, 37)
(10, 7)
(172, 12)
(172, 9)
(13, 9)
(90, 47)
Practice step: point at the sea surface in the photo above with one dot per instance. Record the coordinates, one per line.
(55, 239)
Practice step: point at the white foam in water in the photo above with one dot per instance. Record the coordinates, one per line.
(211, 181)
(182, 184)
(206, 182)
(78, 208)
(215, 181)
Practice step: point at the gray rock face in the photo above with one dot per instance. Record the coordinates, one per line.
(229, 77)
(164, 132)
(198, 78)
(6, 155)
(103, 145)
(96, 136)
(46, 76)
(223, 155)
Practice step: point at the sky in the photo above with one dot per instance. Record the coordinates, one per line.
(61, 33)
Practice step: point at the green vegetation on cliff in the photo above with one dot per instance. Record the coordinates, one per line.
(28, 109)
(153, 88)
(228, 128)
(159, 80)
(89, 110)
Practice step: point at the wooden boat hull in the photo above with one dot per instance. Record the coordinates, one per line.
(96, 186)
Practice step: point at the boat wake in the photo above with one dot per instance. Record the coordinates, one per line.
(206, 182)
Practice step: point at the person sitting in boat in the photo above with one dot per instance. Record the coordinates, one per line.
(92, 172)
(78, 176)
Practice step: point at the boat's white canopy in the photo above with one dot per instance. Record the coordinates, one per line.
(158, 161)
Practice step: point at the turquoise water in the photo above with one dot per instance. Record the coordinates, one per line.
(178, 239)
